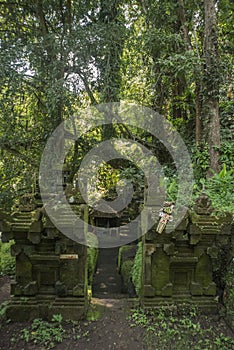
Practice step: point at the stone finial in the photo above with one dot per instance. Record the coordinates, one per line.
(27, 202)
(203, 205)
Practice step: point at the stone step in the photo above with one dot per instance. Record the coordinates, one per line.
(27, 219)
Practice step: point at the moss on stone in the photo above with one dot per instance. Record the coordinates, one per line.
(137, 270)
(122, 251)
(126, 270)
(160, 271)
(229, 294)
(92, 256)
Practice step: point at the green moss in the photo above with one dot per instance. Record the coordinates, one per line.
(7, 262)
(160, 270)
(229, 294)
(126, 270)
(126, 252)
(122, 250)
(95, 312)
(92, 256)
(137, 269)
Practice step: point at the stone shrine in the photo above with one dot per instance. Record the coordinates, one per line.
(180, 266)
(51, 269)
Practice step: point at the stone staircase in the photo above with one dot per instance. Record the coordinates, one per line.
(22, 221)
(107, 281)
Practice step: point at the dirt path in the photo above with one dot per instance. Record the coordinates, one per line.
(112, 330)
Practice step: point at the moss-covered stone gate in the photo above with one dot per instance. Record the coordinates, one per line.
(182, 266)
(51, 269)
(185, 265)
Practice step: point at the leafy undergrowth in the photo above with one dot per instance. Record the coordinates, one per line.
(47, 334)
(7, 262)
(183, 330)
(161, 329)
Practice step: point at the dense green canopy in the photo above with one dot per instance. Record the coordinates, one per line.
(57, 57)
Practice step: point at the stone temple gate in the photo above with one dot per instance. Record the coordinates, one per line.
(186, 265)
(182, 266)
(51, 269)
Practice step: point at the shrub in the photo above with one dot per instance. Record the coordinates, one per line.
(92, 256)
(220, 190)
(126, 252)
(7, 262)
(126, 270)
(137, 269)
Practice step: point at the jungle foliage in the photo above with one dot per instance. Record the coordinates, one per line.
(174, 56)
(58, 57)
(7, 262)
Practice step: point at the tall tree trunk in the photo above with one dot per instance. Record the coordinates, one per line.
(198, 94)
(183, 24)
(211, 86)
(110, 71)
(198, 114)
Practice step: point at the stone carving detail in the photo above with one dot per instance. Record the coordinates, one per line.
(203, 205)
(27, 202)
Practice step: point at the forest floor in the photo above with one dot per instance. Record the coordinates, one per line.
(114, 324)
(106, 328)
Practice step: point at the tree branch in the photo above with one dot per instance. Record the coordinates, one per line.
(19, 155)
(87, 88)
